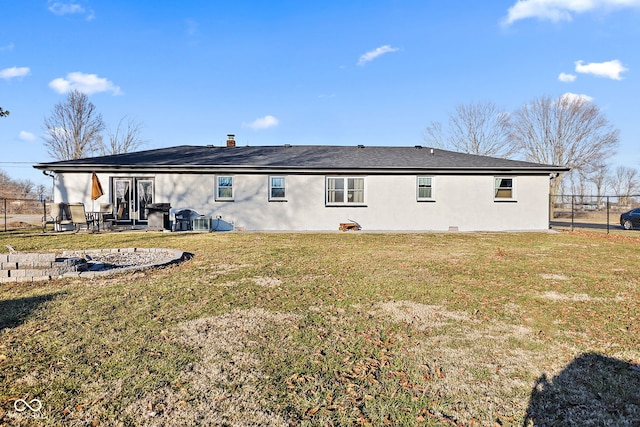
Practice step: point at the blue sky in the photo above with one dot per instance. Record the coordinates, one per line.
(374, 72)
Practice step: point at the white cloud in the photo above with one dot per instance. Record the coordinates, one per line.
(7, 48)
(371, 55)
(264, 122)
(61, 9)
(86, 83)
(567, 78)
(561, 10)
(26, 136)
(574, 97)
(9, 73)
(608, 69)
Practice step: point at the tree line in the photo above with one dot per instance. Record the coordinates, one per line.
(566, 131)
(21, 189)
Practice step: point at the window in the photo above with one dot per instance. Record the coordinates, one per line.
(277, 190)
(503, 189)
(224, 188)
(425, 189)
(345, 191)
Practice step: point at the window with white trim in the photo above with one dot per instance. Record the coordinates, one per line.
(224, 188)
(425, 188)
(345, 191)
(504, 188)
(277, 189)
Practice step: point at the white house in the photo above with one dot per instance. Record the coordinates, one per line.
(317, 187)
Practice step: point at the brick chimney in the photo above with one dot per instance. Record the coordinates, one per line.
(231, 142)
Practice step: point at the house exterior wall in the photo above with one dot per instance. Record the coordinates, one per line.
(465, 202)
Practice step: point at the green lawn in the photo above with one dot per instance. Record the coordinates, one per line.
(450, 329)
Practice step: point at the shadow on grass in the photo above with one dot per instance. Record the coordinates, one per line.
(592, 390)
(14, 312)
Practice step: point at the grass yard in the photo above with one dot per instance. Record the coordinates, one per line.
(448, 329)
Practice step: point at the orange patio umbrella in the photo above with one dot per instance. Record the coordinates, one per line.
(96, 187)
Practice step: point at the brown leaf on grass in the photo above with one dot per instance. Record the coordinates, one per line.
(438, 416)
(363, 421)
(311, 412)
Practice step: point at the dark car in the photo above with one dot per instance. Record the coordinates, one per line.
(630, 219)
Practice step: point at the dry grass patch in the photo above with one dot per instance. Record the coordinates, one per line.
(556, 296)
(482, 373)
(549, 276)
(420, 316)
(223, 387)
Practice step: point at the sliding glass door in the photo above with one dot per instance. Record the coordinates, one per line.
(122, 199)
(131, 197)
(145, 197)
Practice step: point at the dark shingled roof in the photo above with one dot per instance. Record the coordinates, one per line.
(298, 158)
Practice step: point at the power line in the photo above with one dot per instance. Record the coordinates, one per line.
(18, 163)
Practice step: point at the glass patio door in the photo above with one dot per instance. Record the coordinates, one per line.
(122, 199)
(131, 197)
(144, 197)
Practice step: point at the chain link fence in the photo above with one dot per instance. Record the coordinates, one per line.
(590, 212)
(22, 214)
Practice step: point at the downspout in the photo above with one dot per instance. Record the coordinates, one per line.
(53, 180)
(44, 200)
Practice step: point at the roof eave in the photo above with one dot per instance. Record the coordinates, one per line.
(543, 169)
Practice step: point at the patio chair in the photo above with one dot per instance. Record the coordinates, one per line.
(79, 217)
(59, 216)
(106, 215)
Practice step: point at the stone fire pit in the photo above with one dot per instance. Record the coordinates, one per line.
(21, 267)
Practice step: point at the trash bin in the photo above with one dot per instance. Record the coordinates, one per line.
(158, 216)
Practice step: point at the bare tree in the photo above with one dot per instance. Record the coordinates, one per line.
(73, 130)
(476, 128)
(123, 140)
(624, 182)
(597, 175)
(569, 131)
(578, 185)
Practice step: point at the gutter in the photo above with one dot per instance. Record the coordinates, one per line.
(213, 169)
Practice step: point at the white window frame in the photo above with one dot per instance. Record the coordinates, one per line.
(430, 186)
(273, 198)
(345, 191)
(497, 187)
(218, 187)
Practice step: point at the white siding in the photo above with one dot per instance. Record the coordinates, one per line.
(462, 201)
